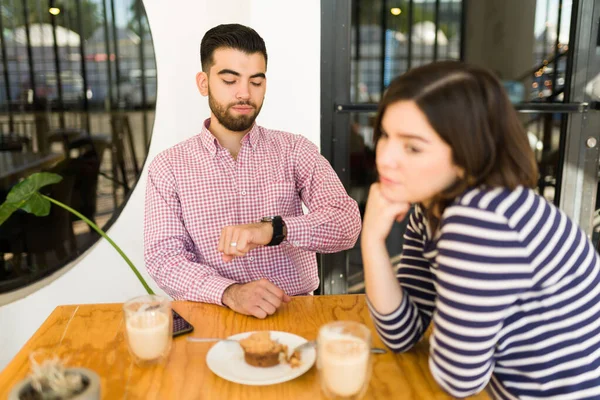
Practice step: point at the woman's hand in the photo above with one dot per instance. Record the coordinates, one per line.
(380, 215)
(380, 279)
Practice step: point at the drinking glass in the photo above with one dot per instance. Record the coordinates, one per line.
(148, 328)
(344, 359)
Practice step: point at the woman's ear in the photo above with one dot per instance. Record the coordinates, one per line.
(202, 83)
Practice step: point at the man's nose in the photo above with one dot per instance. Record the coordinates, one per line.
(243, 93)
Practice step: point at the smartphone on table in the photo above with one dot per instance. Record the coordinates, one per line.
(180, 325)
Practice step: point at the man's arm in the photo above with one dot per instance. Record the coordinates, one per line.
(333, 221)
(170, 255)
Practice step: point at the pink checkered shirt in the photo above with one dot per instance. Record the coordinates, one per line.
(196, 188)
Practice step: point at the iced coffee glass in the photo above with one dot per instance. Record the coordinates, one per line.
(148, 328)
(344, 359)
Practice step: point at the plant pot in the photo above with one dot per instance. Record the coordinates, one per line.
(90, 392)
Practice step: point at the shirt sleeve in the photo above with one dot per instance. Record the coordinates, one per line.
(171, 257)
(333, 220)
(401, 329)
(482, 268)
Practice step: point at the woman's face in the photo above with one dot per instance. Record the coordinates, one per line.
(413, 162)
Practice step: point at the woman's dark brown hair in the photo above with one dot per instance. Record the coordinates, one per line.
(469, 109)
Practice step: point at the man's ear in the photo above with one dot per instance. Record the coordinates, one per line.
(202, 83)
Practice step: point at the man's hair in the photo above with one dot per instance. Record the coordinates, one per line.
(468, 107)
(230, 36)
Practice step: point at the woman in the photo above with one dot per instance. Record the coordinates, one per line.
(509, 282)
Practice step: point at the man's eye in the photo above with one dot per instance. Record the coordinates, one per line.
(229, 82)
(256, 84)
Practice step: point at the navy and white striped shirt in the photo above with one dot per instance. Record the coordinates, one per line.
(513, 288)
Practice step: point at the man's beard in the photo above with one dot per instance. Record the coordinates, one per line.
(235, 124)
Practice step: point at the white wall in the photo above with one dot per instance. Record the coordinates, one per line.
(292, 104)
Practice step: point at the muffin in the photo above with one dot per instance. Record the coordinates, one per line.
(261, 351)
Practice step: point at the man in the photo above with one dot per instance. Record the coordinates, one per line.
(224, 221)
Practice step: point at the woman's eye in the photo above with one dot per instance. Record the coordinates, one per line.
(412, 149)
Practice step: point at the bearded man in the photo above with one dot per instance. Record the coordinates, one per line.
(224, 222)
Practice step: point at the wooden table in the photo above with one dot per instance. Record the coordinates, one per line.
(16, 165)
(92, 336)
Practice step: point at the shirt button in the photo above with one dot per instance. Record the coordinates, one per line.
(251, 258)
(296, 243)
(243, 192)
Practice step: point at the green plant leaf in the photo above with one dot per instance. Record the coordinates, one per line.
(37, 205)
(6, 211)
(23, 190)
(25, 195)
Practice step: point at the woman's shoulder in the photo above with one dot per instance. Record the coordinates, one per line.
(496, 199)
(510, 205)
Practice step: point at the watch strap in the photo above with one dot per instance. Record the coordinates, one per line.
(277, 223)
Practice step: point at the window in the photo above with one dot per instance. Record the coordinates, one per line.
(77, 96)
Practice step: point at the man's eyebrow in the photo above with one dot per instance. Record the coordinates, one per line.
(232, 72)
(228, 71)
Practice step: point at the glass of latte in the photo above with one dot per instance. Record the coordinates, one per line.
(344, 359)
(148, 328)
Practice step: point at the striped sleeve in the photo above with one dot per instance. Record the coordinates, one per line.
(402, 328)
(481, 268)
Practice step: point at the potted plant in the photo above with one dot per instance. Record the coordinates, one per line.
(51, 380)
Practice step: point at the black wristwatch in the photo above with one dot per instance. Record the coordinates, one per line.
(277, 224)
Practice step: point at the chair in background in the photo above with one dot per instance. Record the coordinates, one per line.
(86, 170)
(122, 136)
(53, 233)
(12, 241)
(14, 142)
(24, 233)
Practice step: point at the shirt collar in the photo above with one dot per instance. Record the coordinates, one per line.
(210, 142)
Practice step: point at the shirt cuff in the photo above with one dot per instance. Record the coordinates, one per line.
(211, 290)
(298, 231)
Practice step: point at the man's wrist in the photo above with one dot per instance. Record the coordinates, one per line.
(228, 295)
(268, 229)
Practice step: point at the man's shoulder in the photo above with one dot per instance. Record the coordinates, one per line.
(176, 153)
(283, 140)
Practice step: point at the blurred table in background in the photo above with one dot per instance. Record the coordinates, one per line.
(16, 165)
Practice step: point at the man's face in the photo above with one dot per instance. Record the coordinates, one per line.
(235, 85)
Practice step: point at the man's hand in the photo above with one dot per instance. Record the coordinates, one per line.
(258, 298)
(237, 240)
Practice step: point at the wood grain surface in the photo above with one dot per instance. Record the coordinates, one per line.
(92, 336)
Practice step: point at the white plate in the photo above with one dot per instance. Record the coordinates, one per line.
(226, 359)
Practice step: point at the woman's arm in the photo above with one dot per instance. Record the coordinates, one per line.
(401, 311)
